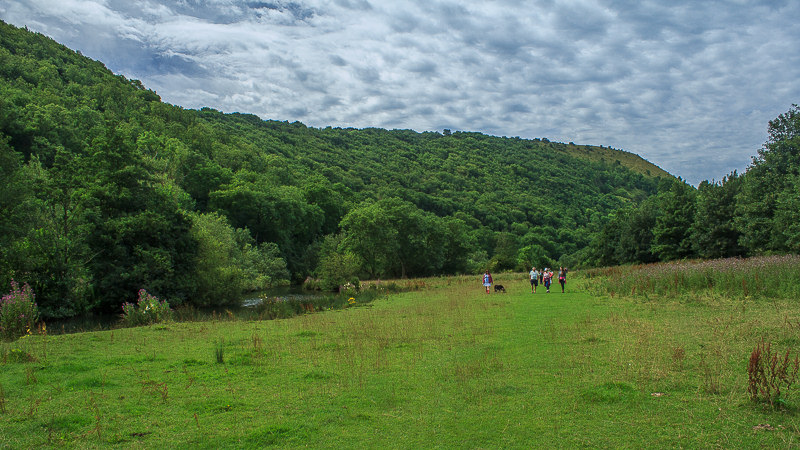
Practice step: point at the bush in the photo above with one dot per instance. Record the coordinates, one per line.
(148, 310)
(18, 312)
(339, 268)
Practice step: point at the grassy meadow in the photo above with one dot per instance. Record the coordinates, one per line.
(446, 366)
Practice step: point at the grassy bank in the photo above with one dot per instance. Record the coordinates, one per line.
(448, 366)
(762, 277)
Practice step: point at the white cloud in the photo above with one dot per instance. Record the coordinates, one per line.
(689, 86)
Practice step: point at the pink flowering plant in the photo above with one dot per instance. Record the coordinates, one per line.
(147, 310)
(18, 312)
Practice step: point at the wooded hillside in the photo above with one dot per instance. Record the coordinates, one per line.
(105, 190)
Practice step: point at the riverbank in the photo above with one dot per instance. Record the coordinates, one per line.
(294, 299)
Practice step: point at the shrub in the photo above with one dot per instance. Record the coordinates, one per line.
(18, 312)
(148, 310)
(771, 375)
(349, 289)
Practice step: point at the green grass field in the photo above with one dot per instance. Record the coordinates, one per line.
(448, 367)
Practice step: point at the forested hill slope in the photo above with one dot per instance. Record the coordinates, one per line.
(105, 190)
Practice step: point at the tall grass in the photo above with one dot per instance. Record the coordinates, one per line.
(733, 278)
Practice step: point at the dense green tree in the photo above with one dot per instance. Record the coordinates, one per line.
(228, 264)
(278, 214)
(15, 196)
(769, 189)
(787, 214)
(395, 238)
(328, 198)
(55, 252)
(714, 234)
(628, 236)
(459, 244)
(371, 234)
(263, 263)
(533, 255)
(141, 237)
(219, 278)
(636, 234)
(505, 251)
(606, 248)
(672, 231)
(337, 266)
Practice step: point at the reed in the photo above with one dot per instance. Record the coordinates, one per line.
(732, 278)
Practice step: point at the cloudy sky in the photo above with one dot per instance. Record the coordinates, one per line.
(687, 84)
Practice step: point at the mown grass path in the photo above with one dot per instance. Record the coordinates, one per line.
(448, 367)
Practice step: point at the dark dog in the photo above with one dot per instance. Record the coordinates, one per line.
(499, 288)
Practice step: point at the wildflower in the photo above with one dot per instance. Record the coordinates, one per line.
(18, 311)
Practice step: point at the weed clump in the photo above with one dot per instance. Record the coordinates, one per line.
(147, 311)
(770, 375)
(219, 351)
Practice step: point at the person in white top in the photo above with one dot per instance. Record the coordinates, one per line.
(534, 274)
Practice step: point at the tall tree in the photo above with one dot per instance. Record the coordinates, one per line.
(628, 236)
(141, 237)
(56, 245)
(769, 189)
(672, 231)
(15, 196)
(372, 235)
(636, 237)
(714, 234)
(393, 237)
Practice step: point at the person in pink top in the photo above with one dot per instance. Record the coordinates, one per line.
(548, 278)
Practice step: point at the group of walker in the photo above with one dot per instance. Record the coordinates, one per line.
(544, 277)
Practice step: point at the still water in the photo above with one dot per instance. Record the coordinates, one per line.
(243, 310)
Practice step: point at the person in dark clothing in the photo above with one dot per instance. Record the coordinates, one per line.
(562, 277)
